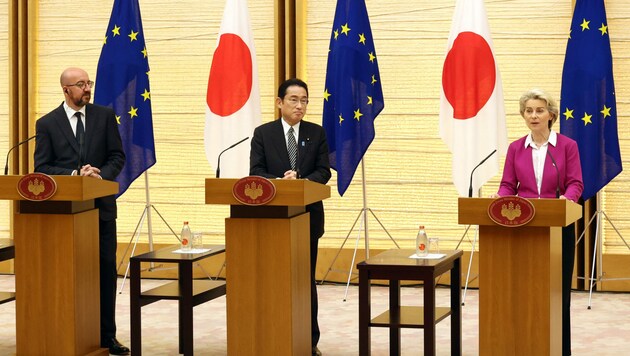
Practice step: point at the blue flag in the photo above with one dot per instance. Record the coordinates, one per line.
(588, 112)
(353, 96)
(122, 83)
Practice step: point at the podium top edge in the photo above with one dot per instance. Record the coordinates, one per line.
(69, 188)
(289, 192)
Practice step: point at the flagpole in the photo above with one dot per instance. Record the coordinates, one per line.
(598, 246)
(363, 226)
(146, 213)
(365, 218)
(148, 204)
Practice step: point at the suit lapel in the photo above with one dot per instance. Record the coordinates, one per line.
(280, 144)
(91, 122)
(304, 144)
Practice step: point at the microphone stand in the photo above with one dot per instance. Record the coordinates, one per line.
(218, 173)
(557, 173)
(6, 165)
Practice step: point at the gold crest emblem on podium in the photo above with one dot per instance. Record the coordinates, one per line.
(37, 187)
(511, 211)
(254, 190)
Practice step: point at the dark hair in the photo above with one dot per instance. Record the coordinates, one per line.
(282, 90)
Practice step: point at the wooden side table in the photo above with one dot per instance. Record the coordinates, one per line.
(187, 291)
(7, 252)
(394, 266)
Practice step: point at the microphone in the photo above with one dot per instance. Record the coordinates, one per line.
(219, 158)
(557, 173)
(6, 165)
(80, 154)
(473, 171)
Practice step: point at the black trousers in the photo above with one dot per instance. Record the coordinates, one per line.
(314, 304)
(107, 264)
(568, 259)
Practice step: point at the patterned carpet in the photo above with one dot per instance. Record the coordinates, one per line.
(603, 330)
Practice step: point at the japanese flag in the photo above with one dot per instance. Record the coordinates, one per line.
(233, 97)
(472, 112)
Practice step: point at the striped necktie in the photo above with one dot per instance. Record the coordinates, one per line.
(292, 148)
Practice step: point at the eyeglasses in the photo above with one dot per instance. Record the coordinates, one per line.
(295, 101)
(81, 85)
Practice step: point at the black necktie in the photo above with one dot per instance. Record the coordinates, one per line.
(80, 127)
(292, 148)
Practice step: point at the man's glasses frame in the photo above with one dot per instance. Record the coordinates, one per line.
(81, 85)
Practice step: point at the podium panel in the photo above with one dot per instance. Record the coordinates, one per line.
(520, 291)
(57, 285)
(267, 251)
(268, 286)
(520, 277)
(57, 289)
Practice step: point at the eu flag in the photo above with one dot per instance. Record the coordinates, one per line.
(353, 96)
(122, 83)
(588, 111)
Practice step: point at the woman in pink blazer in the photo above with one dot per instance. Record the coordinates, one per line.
(546, 164)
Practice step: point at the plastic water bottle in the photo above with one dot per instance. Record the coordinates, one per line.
(422, 242)
(186, 237)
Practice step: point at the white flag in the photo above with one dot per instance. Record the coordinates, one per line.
(233, 98)
(472, 112)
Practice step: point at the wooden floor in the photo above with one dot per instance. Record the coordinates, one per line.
(603, 330)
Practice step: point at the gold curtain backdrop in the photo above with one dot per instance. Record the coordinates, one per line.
(407, 167)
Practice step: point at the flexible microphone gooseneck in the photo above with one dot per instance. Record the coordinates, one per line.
(6, 165)
(473, 171)
(219, 158)
(557, 173)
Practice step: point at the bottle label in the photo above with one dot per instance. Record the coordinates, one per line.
(184, 242)
(422, 247)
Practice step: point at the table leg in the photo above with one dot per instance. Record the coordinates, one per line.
(456, 308)
(394, 317)
(186, 345)
(429, 316)
(364, 313)
(135, 312)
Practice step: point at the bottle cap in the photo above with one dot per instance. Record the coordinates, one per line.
(421, 227)
(185, 222)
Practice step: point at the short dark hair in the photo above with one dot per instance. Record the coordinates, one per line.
(282, 90)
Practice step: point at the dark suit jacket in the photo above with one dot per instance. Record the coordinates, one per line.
(269, 158)
(57, 150)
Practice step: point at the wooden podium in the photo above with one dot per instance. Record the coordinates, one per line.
(520, 277)
(268, 268)
(57, 267)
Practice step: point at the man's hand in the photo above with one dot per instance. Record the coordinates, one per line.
(89, 171)
(290, 174)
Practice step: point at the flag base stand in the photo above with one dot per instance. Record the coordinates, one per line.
(146, 213)
(363, 226)
(472, 253)
(597, 249)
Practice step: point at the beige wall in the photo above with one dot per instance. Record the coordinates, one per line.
(408, 167)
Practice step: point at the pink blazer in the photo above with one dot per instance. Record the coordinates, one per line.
(519, 178)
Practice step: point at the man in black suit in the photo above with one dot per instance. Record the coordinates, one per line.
(270, 158)
(78, 138)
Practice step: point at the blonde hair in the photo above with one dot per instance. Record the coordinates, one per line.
(539, 94)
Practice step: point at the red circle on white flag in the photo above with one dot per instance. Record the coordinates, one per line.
(230, 82)
(469, 75)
